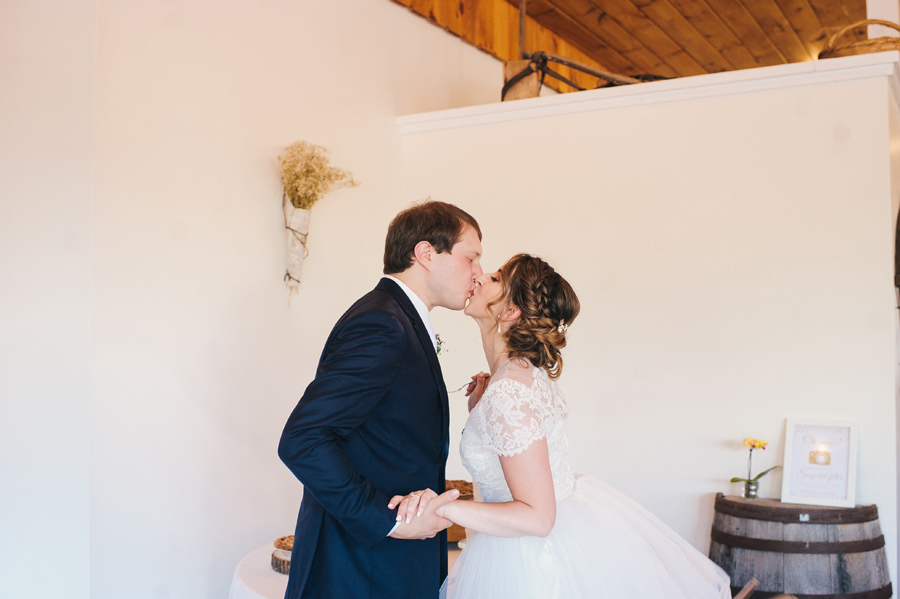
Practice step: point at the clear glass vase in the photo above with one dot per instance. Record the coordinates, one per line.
(751, 489)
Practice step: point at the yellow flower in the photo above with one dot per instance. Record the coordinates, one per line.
(755, 443)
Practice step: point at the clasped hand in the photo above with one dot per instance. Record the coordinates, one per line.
(417, 513)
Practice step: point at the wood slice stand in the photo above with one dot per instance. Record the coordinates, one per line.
(281, 557)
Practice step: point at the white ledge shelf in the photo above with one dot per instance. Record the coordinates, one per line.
(851, 68)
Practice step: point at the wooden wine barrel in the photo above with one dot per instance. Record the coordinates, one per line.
(808, 551)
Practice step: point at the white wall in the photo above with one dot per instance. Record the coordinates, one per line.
(152, 129)
(733, 252)
(885, 10)
(141, 255)
(46, 121)
(894, 144)
(199, 353)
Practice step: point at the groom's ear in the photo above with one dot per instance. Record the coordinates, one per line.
(423, 253)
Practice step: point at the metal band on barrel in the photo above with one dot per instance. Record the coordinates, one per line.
(809, 547)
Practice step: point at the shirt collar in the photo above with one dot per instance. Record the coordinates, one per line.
(419, 305)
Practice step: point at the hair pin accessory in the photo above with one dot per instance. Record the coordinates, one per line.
(563, 327)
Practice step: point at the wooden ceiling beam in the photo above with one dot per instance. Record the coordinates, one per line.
(832, 20)
(668, 38)
(584, 38)
(778, 29)
(614, 37)
(648, 33)
(708, 24)
(806, 23)
(855, 10)
(748, 30)
(493, 26)
(609, 29)
(683, 33)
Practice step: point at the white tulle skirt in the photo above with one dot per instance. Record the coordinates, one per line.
(603, 546)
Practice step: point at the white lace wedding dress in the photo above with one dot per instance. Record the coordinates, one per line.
(603, 545)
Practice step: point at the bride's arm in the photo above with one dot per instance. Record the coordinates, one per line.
(532, 512)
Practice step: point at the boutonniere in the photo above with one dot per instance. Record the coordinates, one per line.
(440, 344)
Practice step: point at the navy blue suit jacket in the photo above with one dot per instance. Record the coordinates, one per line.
(373, 423)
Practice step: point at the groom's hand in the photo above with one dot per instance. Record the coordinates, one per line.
(428, 524)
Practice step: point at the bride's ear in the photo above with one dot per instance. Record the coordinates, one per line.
(511, 314)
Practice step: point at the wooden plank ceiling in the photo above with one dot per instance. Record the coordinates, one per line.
(668, 38)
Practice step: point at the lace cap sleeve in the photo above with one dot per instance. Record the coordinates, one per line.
(512, 416)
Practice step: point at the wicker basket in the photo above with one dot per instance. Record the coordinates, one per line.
(833, 49)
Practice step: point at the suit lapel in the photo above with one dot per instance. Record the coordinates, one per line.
(400, 296)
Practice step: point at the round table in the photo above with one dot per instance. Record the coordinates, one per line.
(254, 577)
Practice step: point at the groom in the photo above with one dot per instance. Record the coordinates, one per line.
(375, 422)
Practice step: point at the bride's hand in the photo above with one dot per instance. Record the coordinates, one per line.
(476, 388)
(412, 504)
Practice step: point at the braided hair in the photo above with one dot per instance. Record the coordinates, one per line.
(548, 306)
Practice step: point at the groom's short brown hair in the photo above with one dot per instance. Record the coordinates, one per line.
(438, 223)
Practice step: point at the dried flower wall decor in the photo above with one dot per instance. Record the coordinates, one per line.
(306, 176)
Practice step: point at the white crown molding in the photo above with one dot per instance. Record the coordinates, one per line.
(851, 68)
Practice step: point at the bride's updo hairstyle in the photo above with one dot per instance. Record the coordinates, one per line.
(548, 305)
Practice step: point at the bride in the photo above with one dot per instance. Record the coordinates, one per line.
(543, 531)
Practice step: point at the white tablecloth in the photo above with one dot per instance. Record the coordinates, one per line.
(254, 577)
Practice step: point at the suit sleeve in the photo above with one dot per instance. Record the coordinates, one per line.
(357, 370)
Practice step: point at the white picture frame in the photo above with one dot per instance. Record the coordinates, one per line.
(820, 462)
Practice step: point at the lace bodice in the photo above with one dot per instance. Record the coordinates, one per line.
(520, 406)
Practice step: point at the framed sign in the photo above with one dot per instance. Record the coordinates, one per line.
(820, 462)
